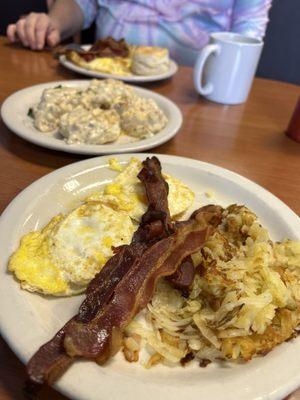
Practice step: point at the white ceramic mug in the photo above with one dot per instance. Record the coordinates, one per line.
(225, 68)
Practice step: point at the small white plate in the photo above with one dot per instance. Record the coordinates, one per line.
(28, 320)
(15, 108)
(127, 78)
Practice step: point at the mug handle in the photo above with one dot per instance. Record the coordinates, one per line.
(199, 66)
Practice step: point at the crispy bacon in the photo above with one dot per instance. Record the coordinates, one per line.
(51, 359)
(183, 277)
(158, 206)
(107, 47)
(99, 339)
(155, 224)
(126, 283)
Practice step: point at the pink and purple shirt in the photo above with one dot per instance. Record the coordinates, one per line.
(181, 25)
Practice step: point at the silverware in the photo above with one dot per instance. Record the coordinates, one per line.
(62, 49)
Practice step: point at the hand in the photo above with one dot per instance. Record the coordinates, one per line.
(34, 31)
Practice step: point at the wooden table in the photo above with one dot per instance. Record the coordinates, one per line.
(248, 139)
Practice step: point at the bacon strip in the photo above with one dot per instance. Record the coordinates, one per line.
(51, 360)
(154, 226)
(183, 277)
(158, 206)
(101, 337)
(107, 47)
(126, 283)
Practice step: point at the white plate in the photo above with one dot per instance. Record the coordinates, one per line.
(14, 114)
(128, 78)
(28, 320)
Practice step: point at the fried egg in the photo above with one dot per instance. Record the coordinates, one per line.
(126, 192)
(64, 256)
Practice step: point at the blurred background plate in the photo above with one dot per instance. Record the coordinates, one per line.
(15, 108)
(126, 78)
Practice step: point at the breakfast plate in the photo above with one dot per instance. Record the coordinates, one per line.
(40, 317)
(126, 78)
(14, 112)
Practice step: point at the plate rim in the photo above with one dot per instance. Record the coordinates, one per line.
(80, 165)
(87, 149)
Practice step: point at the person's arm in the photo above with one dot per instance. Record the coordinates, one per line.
(250, 17)
(65, 18)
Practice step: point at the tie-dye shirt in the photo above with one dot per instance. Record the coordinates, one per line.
(181, 25)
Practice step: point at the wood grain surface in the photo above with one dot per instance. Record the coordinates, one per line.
(248, 139)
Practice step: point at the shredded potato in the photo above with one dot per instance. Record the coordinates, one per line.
(245, 299)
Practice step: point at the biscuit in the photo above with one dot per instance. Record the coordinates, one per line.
(148, 60)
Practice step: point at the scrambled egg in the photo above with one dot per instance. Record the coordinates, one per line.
(108, 65)
(66, 254)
